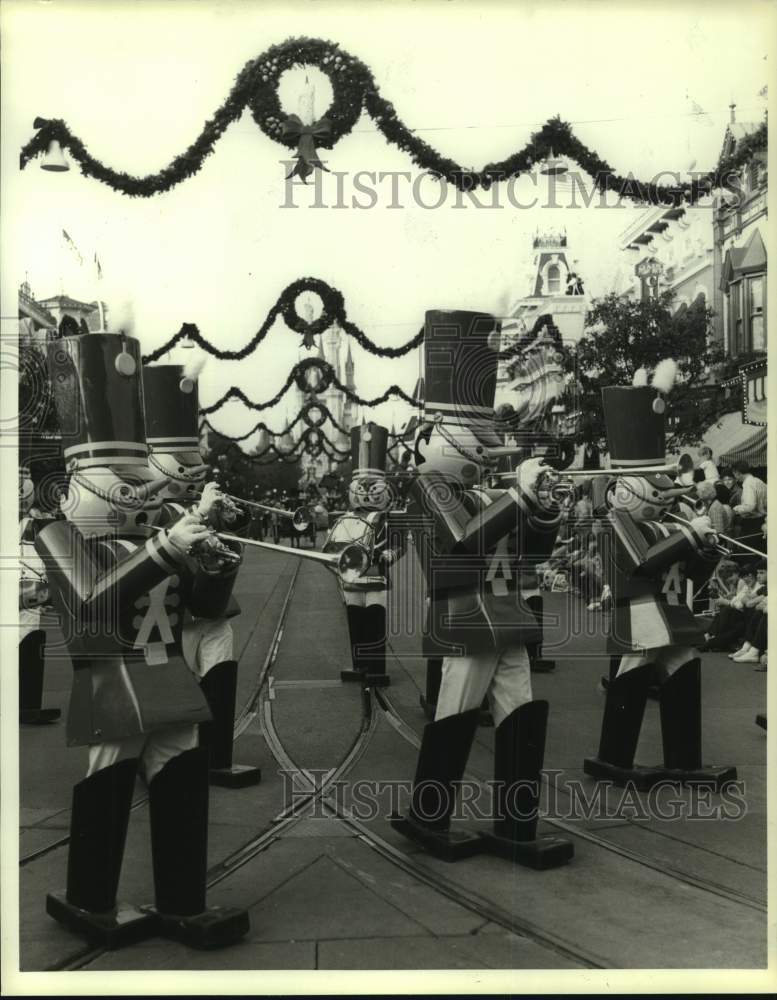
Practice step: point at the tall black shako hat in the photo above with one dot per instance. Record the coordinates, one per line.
(635, 418)
(172, 412)
(461, 355)
(369, 443)
(98, 395)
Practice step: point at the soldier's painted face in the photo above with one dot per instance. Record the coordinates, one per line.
(452, 450)
(645, 498)
(108, 500)
(369, 494)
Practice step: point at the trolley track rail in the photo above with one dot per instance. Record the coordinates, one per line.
(394, 719)
(377, 705)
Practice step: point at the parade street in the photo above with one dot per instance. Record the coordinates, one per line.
(330, 885)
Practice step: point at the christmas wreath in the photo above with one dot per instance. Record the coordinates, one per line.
(333, 308)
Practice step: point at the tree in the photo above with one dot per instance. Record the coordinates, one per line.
(625, 335)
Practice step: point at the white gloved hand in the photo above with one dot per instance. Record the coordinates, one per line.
(187, 531)
(211, 493)
(703, 527)
(529, 472)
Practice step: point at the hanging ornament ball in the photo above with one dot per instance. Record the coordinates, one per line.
(658, 405)
(366, 436)
(494, 340)
(186, 385)
(125, 364)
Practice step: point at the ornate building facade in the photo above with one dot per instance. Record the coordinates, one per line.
(553, 286)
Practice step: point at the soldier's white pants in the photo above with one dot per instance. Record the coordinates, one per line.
(154, 750)
(667, 658)
(504, 675)
(206, 642)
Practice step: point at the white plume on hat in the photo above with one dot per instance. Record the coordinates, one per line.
(640, 377)
(664, 375)
(194, 365)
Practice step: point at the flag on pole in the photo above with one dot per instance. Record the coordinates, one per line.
(71, 246)
(98, 266)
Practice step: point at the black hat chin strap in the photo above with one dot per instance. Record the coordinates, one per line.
(479, 458)
(181, 477)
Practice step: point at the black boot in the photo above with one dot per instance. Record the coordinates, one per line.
(98, 830)
(178, 809)
(624, 709)
(615, 662)
(219, 686)
(31, 665)
(519, 752)
(680, 702)
(374, 654)
(538, 663)
(356, 632)
(428, 701)
(445, 747)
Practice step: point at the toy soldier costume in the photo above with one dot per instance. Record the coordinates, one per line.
(172, 421)
(649, 566)
(122, 591)
(33, 599)
(369, 499)
(472, 558)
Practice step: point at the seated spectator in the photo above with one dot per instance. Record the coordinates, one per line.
(586, 574)
(733, 487)
(725, 579)
(720, 514)
(684, 475)
(751, 510)
(728, 625)
(707, 465)
(756, 636)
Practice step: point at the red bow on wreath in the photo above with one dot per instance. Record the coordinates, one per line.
(306, 137)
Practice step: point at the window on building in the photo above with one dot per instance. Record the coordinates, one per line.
(747, 322)
(757, 329)
(554, 280)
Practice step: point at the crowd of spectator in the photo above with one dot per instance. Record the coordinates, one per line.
(735, 600)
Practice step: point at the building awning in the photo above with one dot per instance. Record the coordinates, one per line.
(753, 450)
(731, 441)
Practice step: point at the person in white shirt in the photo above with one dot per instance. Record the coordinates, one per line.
(707, 465)
(751, 509)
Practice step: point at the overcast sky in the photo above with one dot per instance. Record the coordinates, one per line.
(137, 80)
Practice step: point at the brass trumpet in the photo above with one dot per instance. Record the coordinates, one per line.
(637, 470)
(698, 506)
(301, 517)
(349, 564)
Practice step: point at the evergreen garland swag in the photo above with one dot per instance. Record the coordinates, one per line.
(333, 311)
(354, 89)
